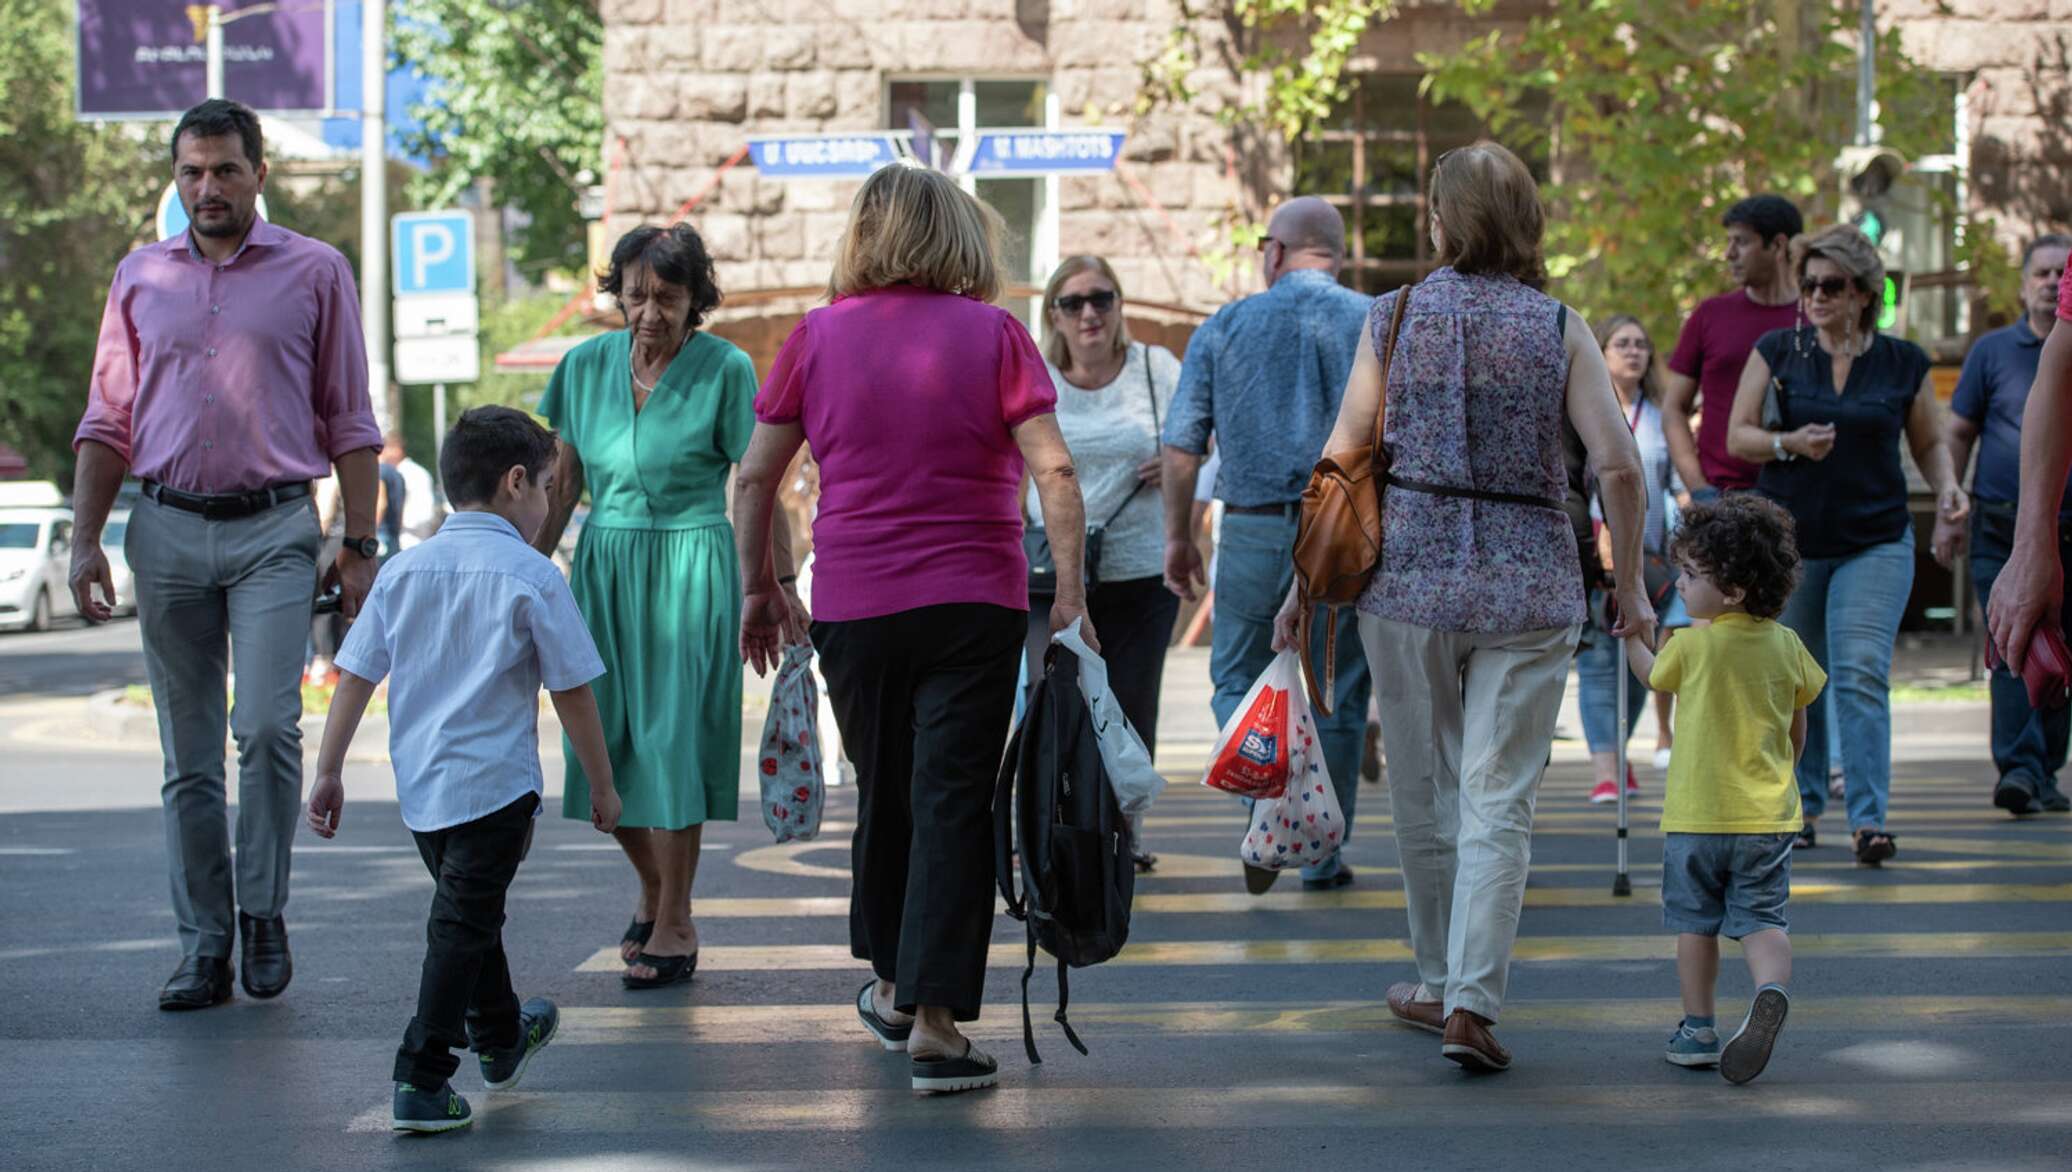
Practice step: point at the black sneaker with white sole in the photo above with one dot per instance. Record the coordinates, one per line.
(892, 1037)
(974, 1070)
(1748, 1051)
(537, 1021)
(437, 1109)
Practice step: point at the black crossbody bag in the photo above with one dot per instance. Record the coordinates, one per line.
(1043, 568)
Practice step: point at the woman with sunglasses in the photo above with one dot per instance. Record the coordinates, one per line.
(1823, 408)
(1113, 395)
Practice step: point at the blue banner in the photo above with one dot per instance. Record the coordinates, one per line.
(1042, 152)
(831, 156)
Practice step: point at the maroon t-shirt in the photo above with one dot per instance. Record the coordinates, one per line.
(2065, 295)
(1713, 348)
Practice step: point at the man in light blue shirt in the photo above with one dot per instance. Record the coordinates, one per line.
(1263, 377)
(467, 627)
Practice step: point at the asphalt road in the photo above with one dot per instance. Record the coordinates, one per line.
(1931, 1027)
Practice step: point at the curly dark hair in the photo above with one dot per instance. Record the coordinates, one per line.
(676, 254)
(1742, 542)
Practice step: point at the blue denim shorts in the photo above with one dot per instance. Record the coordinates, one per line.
(1725, 884)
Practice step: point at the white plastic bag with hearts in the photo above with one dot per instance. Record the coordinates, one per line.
(1304, 826)
(794, 786)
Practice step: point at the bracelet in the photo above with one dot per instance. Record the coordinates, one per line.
(1777, 447)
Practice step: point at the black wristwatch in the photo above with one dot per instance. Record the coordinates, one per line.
(366, 547)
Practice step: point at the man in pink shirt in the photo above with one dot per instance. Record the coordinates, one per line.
(1716, 340)
(2030, 591)
(231, 372)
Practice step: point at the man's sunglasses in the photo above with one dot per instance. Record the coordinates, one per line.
(1102, 301)
(1826, 286)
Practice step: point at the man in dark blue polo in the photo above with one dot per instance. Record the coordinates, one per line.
(2028, 745)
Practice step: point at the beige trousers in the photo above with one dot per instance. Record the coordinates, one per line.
(1467, 721)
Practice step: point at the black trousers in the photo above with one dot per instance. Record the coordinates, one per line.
(924, 698)
(464, 994)
(1134, 621)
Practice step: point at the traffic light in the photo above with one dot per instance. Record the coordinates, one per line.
(1868, 175)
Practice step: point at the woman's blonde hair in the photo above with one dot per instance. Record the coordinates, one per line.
(1490, 216)
(1054, 346)
(912, 225)
(1849, 248)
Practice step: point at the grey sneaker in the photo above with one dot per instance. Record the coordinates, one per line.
(1748, 1051)
(438, 1109)
(1693, 1045)
(537, 1021)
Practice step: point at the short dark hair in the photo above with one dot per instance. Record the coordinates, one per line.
(676, 254)
(1742, 542)
(2047, 240)
(220, 116)
(487, 442)
(1768, 216)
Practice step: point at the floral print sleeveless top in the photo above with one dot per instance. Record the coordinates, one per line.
(1476, 398)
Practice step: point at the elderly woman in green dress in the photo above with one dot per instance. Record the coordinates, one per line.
(652, 420)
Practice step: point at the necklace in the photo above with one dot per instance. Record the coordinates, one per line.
(633, 368)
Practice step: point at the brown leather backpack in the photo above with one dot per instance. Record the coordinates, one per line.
(1338, 539)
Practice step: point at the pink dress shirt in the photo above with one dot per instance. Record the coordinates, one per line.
(910, 399)
(223, 378)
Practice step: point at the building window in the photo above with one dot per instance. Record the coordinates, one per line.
(1373, 161)
(952, 109)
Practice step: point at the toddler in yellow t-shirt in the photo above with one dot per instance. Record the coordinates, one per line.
(1731, 812)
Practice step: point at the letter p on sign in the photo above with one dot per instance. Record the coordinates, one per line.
(433, 252)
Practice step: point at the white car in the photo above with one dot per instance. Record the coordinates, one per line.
(35, 561)
(118, 565)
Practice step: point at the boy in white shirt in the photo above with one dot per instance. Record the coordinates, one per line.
(467, 626)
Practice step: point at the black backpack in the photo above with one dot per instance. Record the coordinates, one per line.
(1055, 808)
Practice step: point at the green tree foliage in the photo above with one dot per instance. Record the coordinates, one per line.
(73, 199)
(517, 98)
(1660, 116)
(1300, 48)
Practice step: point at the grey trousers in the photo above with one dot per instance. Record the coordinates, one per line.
(213, 595)
(1467, 721)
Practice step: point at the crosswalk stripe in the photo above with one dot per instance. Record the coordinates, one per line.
(1238, 902)
(1529, 950)
(757, 1024)
(890, 1108)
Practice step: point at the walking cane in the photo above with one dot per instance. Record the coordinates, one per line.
(1622, 885)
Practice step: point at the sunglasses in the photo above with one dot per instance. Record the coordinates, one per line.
(1826, 286)
(1102, 301)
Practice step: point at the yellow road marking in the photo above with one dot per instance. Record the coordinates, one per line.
(1529, 949)
(753, 1024)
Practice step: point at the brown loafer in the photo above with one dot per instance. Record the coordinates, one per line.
(1423, 1015)
(1258, 879)
(1469, 1042)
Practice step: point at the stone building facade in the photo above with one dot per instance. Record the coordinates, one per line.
(689, 80)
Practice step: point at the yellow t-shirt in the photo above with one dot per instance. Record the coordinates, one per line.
(1737, 683)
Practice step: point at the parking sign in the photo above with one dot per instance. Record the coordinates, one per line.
(434, 252)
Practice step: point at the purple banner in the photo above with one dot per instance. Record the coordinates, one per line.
(141, 58)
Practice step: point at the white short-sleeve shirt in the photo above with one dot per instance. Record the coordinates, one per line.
(467, 627)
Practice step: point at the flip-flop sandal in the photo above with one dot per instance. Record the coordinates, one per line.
(1806, 840)
(974, 1070)
(1145, 863)
(892, 1037)
(1873, 847)
(637, 932)
(669, 970)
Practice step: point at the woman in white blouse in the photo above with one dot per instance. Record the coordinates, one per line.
(1113, 395)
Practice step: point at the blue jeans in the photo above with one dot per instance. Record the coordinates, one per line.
(1597, 693)
(2026, 743)
(1254, 568)
(1847, 612)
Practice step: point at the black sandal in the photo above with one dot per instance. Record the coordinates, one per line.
(669, 970)
(637, 932)
(1873, 847)
(973, 1070)
(1145, 863)
(1806, 840)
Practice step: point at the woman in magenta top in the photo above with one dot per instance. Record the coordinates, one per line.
(923, 403)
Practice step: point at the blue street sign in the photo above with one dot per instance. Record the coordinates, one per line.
(433, 252)
(999, 153)
(824, 156)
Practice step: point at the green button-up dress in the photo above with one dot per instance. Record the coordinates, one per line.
(655, 573)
